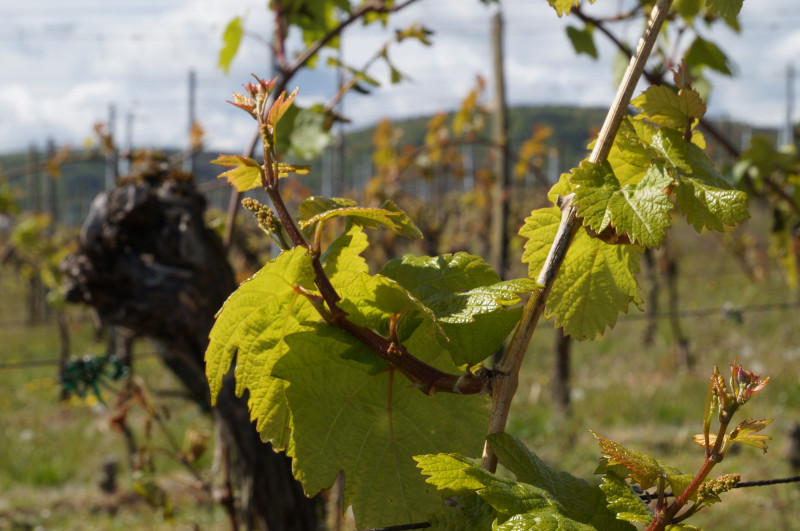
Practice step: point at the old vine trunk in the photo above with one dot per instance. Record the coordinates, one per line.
(148, 263)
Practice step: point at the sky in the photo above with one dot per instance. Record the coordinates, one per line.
(64, 64)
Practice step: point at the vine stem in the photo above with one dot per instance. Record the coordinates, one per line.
(287, 72)
(507, 379)
(656, 79)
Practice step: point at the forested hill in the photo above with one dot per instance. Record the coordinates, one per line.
(572, 129)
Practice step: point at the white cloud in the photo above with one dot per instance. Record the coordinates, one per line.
(63, 66)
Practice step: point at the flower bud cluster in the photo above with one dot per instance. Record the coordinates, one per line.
(266, 219)
(711, 489)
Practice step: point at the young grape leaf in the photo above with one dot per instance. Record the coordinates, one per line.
(564, 6)
(641, 211)
(231, 38)
(664, 107)
(253, 322)
(388, 215)
(623, 502)
(246, 173)
(641, 468)
(745, 433)
(595, 282)
(346, 416)
(581, 500)
(704, 197)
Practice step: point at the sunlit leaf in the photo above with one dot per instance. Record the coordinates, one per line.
(595, 282)
(231, 38)
(662, 106)
(388, 215)
(641, 212)
(347, 416)
(246, 173)
(252, 325)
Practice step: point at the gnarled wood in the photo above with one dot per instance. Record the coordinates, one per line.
(148, 263)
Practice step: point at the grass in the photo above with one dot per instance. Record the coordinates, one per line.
(52, 453)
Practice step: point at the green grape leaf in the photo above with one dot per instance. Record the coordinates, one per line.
(581, 500)
(315, 19)
(246, 173)
(664, 107)
(544, 520)
(573, 503)
(470, 303)
(582, 40)
(564, 6)
(307, 132)
(687, 9)
(640, 211)
(346, 416)
(457, 287)
(470, 513)
(388, 215)
(725, 8)
(461, 344)
(371, 300)
(342, 260)
(623, 502)
(231, 38)
(704, 197)
(705, 53)
(453, 473)
(707, 205)
(431, 278)
(678, 481)
(631, 154)
(595, 282)
(562, 187)
(252, 325)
